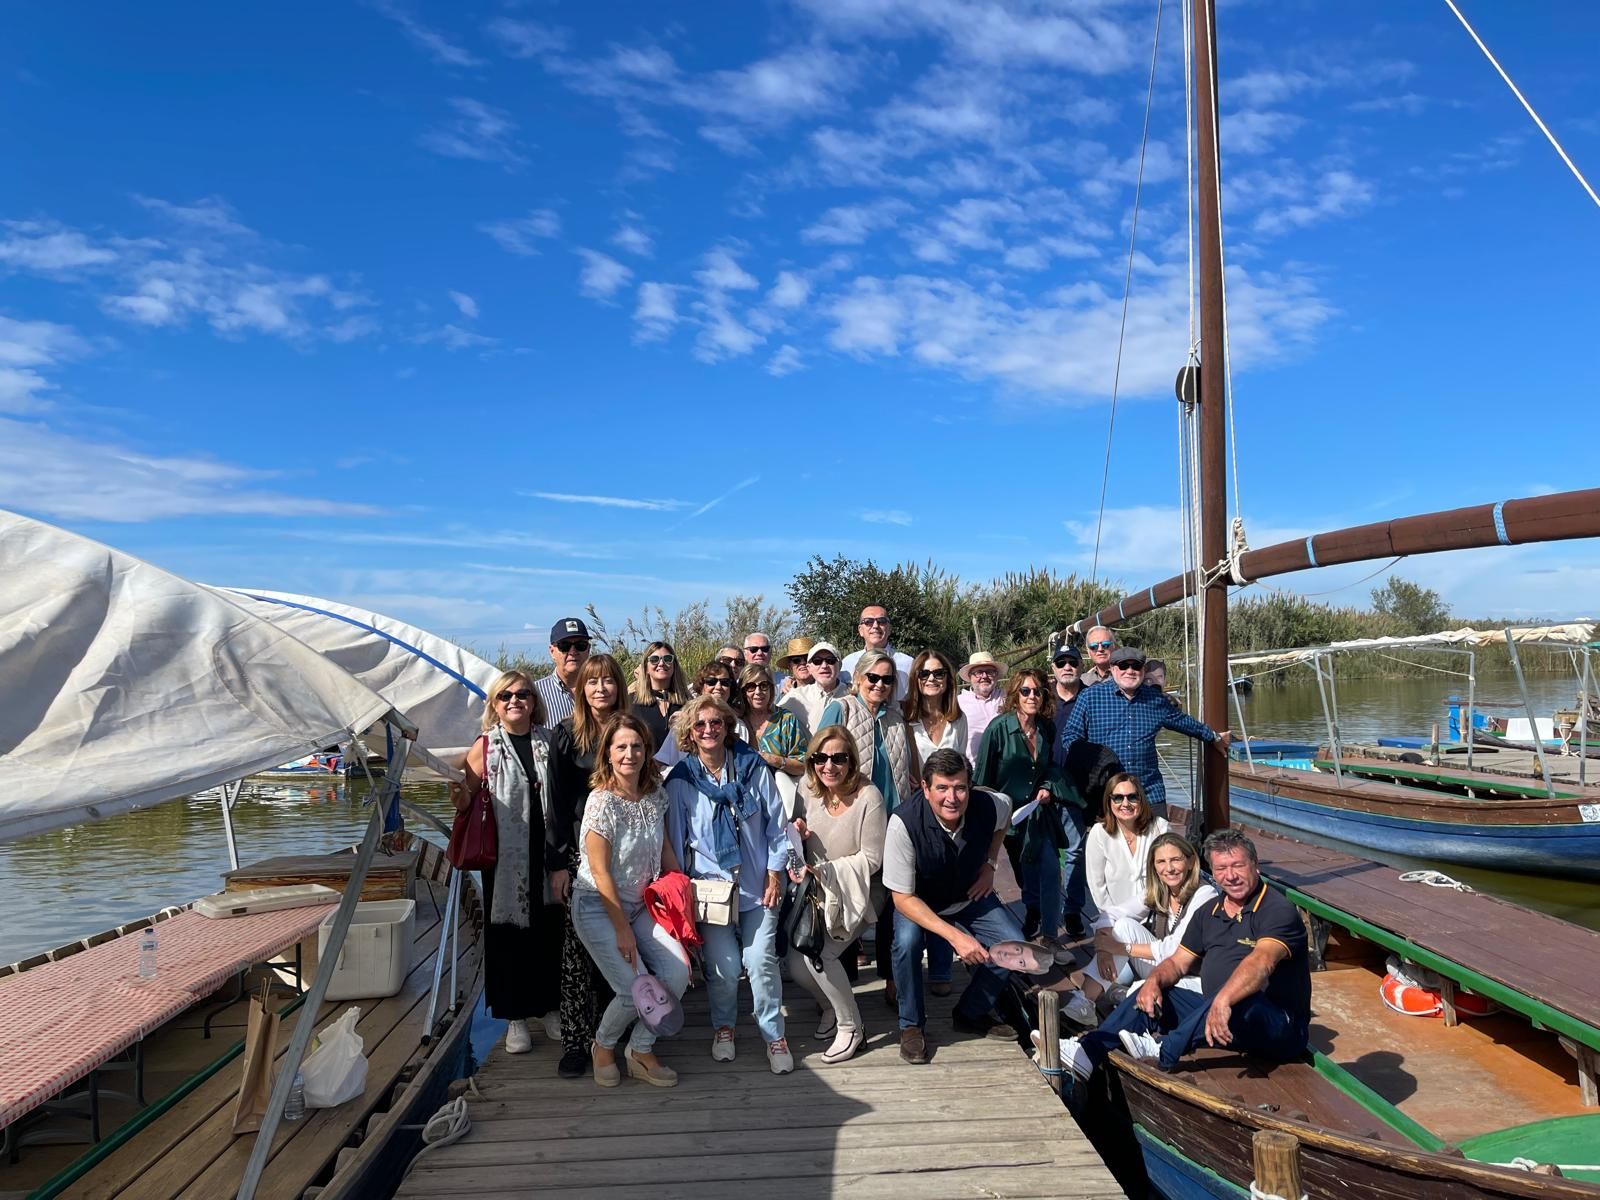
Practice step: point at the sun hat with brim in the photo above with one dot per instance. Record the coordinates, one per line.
(981, 658)
(798, 647)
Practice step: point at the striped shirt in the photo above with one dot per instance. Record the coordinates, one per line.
(557, 698)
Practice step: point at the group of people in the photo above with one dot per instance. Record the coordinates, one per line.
(877, 779)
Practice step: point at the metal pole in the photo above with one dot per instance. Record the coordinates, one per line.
(1333, 707)
(1333, 738)
(1527, 707)
(1472, 694)
(1583, 717)
(304, 1028)
(1213, 429)
(230, 795)
(452, 893)
(1238, 709)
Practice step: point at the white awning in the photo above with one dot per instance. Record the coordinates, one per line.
(1573, 634)
(123, 686)
(437, 684)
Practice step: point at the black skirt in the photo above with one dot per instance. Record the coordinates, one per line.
(522, 966)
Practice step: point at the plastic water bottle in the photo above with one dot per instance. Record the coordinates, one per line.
(147, 954)
(295, 1106)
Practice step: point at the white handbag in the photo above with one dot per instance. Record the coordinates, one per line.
(715, 900)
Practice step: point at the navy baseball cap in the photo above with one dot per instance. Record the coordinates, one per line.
(568, 627)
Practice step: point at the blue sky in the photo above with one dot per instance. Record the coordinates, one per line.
(477, 313)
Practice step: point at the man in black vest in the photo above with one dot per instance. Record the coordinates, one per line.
(939, 858)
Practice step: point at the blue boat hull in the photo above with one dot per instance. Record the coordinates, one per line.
(1565, 849)
(1178, 1178)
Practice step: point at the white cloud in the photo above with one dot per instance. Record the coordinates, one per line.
(72, 478)
(602, 276)
(790, 291)
(610, 501)
(852, 224)
(453, 337)
(212, 215)
(722, 273)
(633, 240)
(886, 516)
(1256, 132)
(50, 248)
(526, 39)
(722, 335)
(867, 319)
(479, 131)
(522, 235)
(465, 303)
(657, 312)
(438, 47)
(25, 347)
(1336, 194)
(785, 362)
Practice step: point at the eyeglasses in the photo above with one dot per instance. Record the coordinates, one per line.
(982, 672)
(575, 644)
(661, 660)
(874, 621)
(878, 680)
(1105, 645)
(1128, 666)
(718, 681)
(839, 760)
(507, 697)
(825, 660)
(1027, 691)
(938, 673)
(710, 726)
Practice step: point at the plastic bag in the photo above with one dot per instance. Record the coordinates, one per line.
(336, 1070)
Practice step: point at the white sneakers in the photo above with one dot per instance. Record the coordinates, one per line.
(1080, 1009)
(552, 1025)
(518, 1039)
(778, 1056)
(1140, 1045)
(722, 1045)
(1073, 1056)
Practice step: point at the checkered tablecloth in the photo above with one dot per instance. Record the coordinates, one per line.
(60, 1021)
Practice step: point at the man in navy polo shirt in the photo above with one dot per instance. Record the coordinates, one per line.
(1255, 976)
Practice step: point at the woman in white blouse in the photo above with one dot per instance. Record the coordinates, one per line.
(930, 708)
(1118, 851)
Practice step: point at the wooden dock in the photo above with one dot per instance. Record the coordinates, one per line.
(977, 1121)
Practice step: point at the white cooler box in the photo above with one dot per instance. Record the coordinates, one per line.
(377, 950)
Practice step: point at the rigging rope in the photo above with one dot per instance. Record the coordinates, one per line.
(1435, 879)
(1127, 291)
(1543, 128)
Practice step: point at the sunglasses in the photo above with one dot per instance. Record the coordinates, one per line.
(935, 673)
(661, 660)
(878, 680)
(708, 726)
(874, 621)
(838, 760)
(1106, 645)
(1128, 666)
(730, 661)
(825, 661)
(1027, 691)
(507, 697)
(1064, 662)
(1125, 798)
(719, 681)
(758, 686)
(569, 647)
(758, 649)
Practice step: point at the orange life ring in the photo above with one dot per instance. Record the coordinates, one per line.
(1411, 999)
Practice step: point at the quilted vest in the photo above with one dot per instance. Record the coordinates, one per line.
(896, 744)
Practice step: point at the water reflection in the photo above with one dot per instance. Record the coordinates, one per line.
(73, 882)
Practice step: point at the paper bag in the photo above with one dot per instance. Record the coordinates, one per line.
(260, 1049)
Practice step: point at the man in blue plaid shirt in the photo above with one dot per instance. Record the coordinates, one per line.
(1125, 714)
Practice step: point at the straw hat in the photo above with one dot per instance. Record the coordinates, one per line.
(798, 647)
(980, 658)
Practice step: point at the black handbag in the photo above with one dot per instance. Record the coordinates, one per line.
(805, 925)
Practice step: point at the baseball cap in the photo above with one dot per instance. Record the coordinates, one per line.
(820, 647)
(1069, 654)
(568, 627)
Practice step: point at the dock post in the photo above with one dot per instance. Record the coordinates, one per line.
(1436, 743)
(1276, 1158)
(1050, 1037)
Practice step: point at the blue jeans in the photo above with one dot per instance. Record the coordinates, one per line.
(941, 959)
(1041, 890)
(987, 920)
(1258, 1026)
(752, 941)
(662, 955)
(1076, 885)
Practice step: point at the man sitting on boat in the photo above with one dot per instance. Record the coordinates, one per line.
(1255, 978)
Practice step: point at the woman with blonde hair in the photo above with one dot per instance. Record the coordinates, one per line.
(841, 817)
(726, 824)
(598, 695)
(522, 941)
(1173, 892)
(624, 849)
(659, 690)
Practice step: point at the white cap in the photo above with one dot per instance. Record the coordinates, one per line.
(821, 646)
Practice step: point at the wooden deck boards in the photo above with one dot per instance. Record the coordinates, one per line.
(976, 1121)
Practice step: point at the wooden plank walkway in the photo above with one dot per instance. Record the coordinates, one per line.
(976, 1121)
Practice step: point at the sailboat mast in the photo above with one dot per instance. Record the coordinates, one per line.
(1213, 424)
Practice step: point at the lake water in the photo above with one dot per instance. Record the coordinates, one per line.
(74, 882)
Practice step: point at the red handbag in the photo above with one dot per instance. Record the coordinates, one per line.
(474, 836)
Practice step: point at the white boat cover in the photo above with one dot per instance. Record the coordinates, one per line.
(1577, 633)
(438, 685)
(122, 686)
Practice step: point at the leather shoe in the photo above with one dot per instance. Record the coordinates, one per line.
(574, 1064)
(913, 1046)
(984, 1026)
(939, 987)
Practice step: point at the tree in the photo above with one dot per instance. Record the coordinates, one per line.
(927, 606)
(1409, 608)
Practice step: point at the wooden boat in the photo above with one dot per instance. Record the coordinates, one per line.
(180, 1142)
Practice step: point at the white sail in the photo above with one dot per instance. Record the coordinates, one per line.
(437, 684)
(122, 685)
(1575, 633)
